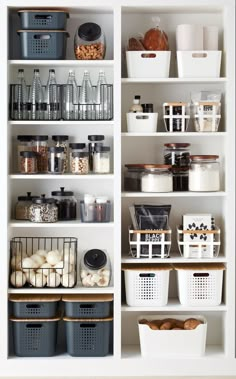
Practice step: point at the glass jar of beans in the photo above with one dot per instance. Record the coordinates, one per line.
(80, 163)
(28, 162)
(89, 42)
(40, 146)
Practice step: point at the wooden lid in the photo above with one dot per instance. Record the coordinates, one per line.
(175, 104)
(159, 231)
(146, 266)
(34, 298)
(203, 157)
(199, 266)
(209, 103)
(99, 298)
(148, 165)
(35, 320)
(86, 320)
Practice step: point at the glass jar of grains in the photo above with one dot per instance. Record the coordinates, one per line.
(80, 163)
(76, 148)
(62, 141)
(157, 178)
(204, 173)
(24, 144)
(56, 160)
(40, 146)
(22, 206)
(28, 162)
(43, 210)
(101, 160)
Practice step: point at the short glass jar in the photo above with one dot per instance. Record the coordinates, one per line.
(89, 42)
(95, 269)
(56, 160)
(66, 203)
(28, 162)
(80, 163)
(204, 173)
(157, 178)
(101, 160)
(22, 206)
(24, 144)
(95, 141)
(40, 146)
(76, 148)
(132, 177)
(62, 141)
(177, 155)
(43, 210)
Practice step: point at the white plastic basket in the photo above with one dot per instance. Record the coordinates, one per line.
(150, 243)
(146, 285)
(199, 64)
(141, 122)
(204, 249)
(148, 64)
(172, 343)
(200, 285)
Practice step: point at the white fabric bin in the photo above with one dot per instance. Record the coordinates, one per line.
(142, 122)
(148, 64)
(199, 64)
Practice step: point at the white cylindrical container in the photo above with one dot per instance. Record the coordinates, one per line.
(189, 37)
(157, 178)
(204, 173)
(101, 160)
(210, 38)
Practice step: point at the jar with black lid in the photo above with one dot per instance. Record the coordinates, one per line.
(66, 203)
(132, 177)
(62, 141)
(28, 162)
(95, 269)
(24, 144)
(95, 140)
(22, 206)
(76, 148)
(40, 146)
(89, 42)
(178, 156)
(56, 160)
(43, 209)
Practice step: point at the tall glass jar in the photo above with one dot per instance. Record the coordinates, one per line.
(89, 42)
(76, 148)
(177, 155)
(95, 269)
(43, 210)
(24, 144)
(157, 178)
(40, 146)
(66, 203)
(22, 206)
(101, 160)
(62, 141)
(204, 173)
(56, 160)
(95, 141)
(132, 177)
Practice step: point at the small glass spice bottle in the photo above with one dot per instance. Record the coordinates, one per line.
(28, 162)
(56, 160)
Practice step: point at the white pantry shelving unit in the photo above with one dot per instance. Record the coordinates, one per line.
(121, 19)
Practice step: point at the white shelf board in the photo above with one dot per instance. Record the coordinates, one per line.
(62, 177)
(60, 224)
(176, 134)
(172, 80)
(74, 290)
(62, 63)
(174, 258)
(175, 306)
(173, 194)
(62, 123)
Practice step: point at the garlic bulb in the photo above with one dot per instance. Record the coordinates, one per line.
(18, 279)
(45, 269)
(87, 282)
(38, 280)
(53, 257)
(53, 280)
(68, 280)
(42, 253)
(103, 282)
(28, 263)
(38, 259)
(63, 268)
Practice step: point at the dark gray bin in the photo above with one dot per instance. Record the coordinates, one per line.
(38, 44)
(35, 306)
(43, 19)
(88, 338)
(35, 338)
(87, 306)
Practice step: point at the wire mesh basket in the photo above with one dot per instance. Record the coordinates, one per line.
(150, 243)
(43, 262)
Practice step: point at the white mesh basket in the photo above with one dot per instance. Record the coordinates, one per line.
(200, 285)
(147, 285)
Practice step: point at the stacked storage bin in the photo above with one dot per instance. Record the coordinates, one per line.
(88, 324)
(35, 320)
(43, 34)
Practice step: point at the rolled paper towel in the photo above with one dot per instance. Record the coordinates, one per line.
(189, 37)
(210, 38)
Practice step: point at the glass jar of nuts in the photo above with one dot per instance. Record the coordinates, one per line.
(89, 42)
(80, 163)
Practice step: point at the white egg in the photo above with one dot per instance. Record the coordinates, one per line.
(18, 279)
(68, 255)
(38, 259)
(68, 280)
(104, 272)
(53, 280)
(87, 282)
(28, 274)
(53, 257)
(42, 253)
(16, 262)
(63, 268)
(45, 269)
(95, 278)
(28, 263)
(103, 282)
(38, 280)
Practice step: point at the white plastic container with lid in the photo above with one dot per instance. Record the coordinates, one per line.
(157, 178)
(204, 173)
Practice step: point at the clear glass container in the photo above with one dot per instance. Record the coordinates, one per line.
(43, 210)
(95, 140)
(76, 148)
(62, 141)
(157, 178)
(66, 203)
(177, 155)
(132, 177)
(102, 160)
(24, 144)
(56, 160)
(40, 146)
(80, 163)
(95, 269)
(22, 206)
(204, 173)
(99, 211)
(89, 42)
(28, 162)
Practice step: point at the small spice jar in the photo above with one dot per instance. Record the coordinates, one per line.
(40, 146)
(56, 160)
(80, 163)
(177, 155)
(89, 42)
(62, 141)
(132, 177)
(22, 206)
(101, 160)
(24, 144)
(95, 269)
(157, 178)
(76, 148)
(204, 173)
(43, 210)
(66, 203)
(95, 140)
(28, 162)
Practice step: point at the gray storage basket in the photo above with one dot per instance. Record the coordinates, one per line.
(35, 338)
(47, 44)
(87, 306)
(43, 19)
(88, 338)
(35, 306)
